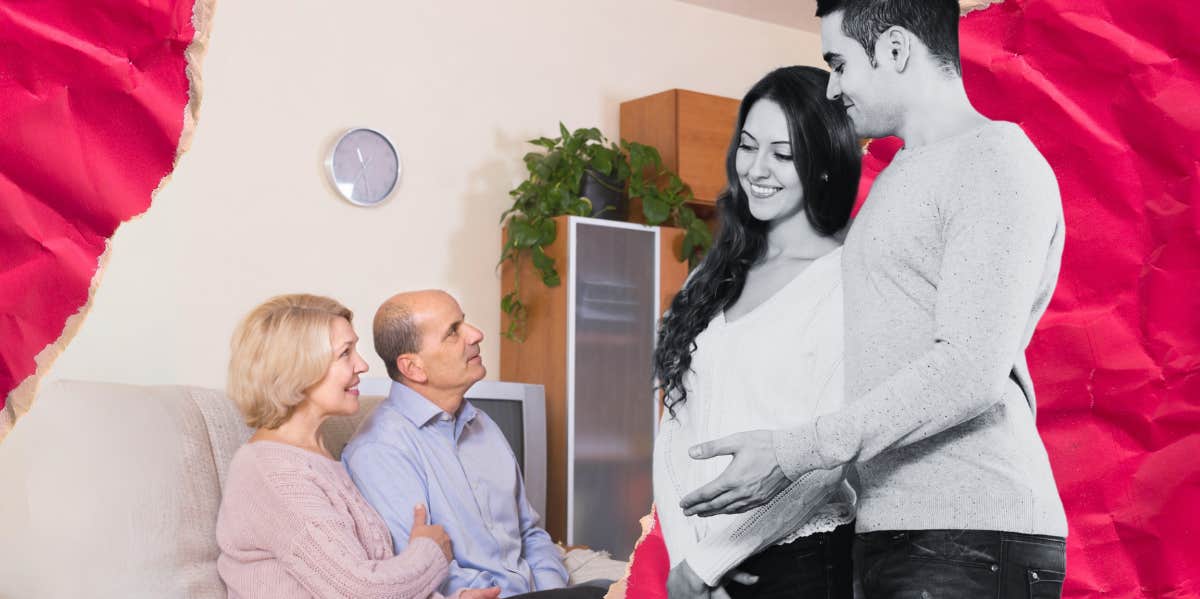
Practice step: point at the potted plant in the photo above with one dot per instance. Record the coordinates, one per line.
(665, 198)
(580, 173)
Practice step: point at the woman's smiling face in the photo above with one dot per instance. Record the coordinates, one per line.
(765, 165)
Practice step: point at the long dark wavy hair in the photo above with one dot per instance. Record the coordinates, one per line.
(828, 160)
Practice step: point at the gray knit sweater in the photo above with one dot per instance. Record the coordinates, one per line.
(948, 267)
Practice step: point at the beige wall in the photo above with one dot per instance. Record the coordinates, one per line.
(458, 86)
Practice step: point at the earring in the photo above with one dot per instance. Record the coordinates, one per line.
(825, 177)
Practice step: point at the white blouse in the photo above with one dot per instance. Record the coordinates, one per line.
(778, 366)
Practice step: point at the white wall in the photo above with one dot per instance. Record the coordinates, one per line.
(458, 86)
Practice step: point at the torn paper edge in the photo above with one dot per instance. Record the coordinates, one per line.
(618, 588)
(21, 399)
(966, 6)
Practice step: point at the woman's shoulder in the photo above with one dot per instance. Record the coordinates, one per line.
(270, 464)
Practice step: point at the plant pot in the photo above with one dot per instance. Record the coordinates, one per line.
(607, 195)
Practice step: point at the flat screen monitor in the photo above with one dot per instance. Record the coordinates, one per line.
(519, 409)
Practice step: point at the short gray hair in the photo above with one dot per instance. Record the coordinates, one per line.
(395, 335)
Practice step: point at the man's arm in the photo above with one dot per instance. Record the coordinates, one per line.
(998, 240)
(537, 547)
(393, 484)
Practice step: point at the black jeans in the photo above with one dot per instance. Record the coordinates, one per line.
(930, 564)
(581, 591)
(817, 567)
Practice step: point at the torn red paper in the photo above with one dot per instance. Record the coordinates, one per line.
(93, 102)
(1109, 91)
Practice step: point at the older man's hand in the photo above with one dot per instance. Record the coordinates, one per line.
(684, 583)
(750, 480)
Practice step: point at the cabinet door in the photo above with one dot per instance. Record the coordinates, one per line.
(612, 402)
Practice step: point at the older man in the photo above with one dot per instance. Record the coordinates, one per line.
(426, 444)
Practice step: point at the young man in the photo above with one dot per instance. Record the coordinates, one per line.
(425, 444)
(947, 269)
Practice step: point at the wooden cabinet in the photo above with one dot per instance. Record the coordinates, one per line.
(691, 131)
(589, 342)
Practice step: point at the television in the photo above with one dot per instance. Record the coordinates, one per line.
(519, 409)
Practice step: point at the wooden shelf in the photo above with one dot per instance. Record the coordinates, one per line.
(543, 357)
(692, 131)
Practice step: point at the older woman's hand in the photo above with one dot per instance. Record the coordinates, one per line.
(421, 528)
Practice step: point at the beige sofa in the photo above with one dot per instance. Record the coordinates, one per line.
(111, 490)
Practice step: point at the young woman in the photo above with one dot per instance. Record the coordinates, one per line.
(292, 523)
(754, 341)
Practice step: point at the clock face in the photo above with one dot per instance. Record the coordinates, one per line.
(364, 166)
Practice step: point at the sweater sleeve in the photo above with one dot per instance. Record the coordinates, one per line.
(999, 235)
(323, 554)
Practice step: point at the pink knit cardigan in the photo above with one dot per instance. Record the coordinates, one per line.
(292, 524)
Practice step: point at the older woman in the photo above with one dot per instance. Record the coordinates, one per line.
(292, 524)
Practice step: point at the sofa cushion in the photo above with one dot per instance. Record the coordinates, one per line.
(112, 491)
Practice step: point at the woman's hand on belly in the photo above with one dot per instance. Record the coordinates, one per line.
(684, 583)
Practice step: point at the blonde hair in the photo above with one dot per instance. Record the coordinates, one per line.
(279, 351)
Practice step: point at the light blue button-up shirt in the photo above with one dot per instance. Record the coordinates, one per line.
(409, 451)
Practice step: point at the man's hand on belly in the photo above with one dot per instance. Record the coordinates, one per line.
(750, 480)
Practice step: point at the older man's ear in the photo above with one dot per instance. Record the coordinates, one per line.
(412, 368)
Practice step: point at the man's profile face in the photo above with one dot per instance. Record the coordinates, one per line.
(868, 92)
(449, 345)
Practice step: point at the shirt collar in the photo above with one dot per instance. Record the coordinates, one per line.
(420, 411)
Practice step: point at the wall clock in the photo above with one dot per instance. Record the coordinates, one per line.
(363, 166)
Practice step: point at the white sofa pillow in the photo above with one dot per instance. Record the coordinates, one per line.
(112, 491)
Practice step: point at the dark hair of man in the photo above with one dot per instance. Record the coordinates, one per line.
(827, 158)
(934, 22)
(395, 335)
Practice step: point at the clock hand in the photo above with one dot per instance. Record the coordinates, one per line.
(363, 173)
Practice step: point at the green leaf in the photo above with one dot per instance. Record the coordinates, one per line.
(637, 156)
(602, 161)
(547, 232)
(541, 260)
(655, 210)
(563, 130)
(581, 207)
(685, 217)
(531, 159)
(654, 157)
(700, 234)
(623, 171)
(522, 234)
(575, 177)
(675, 186)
